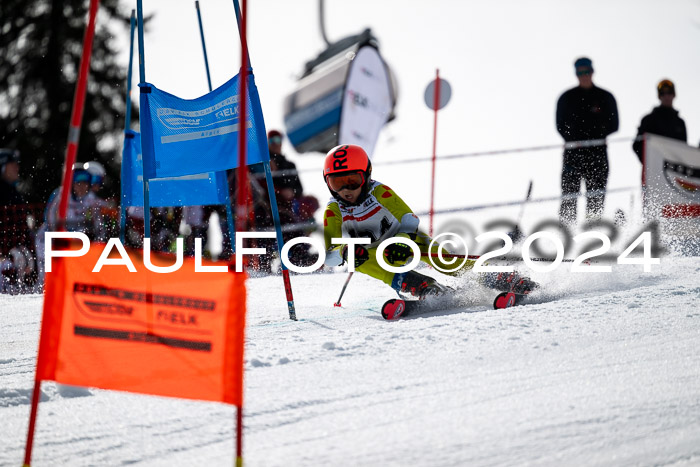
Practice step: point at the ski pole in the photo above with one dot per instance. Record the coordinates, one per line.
(522, 209)
(527, 198)
(449, 255)
(514, 259)
(347, 281)
(517, 232)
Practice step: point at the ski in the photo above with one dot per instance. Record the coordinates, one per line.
(515, 290)
(397, 307)
(508, 299)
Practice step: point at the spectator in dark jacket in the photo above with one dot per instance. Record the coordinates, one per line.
(663, 120)
(9, 176)
(286, 180)
(585, 113)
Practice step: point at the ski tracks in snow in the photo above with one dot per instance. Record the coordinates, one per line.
(599, 371)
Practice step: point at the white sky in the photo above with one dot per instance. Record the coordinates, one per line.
(507, 62)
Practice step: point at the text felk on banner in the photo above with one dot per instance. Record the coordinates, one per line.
(179, 334)
(184, 137)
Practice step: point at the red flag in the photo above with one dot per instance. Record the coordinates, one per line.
(179, 334)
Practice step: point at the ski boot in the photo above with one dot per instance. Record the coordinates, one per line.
(514, 288)
(418, 285)
(510, 282)
(415, 285)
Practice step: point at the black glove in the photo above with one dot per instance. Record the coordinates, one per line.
(361, 255)
(397, 252)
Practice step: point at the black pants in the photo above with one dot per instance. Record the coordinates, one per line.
(594, 172)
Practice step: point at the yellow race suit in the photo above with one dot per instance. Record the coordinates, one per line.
(381, 215)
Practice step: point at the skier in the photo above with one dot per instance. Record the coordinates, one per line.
(80, 215)
(97, 175)
(102, 209)
(362, 207)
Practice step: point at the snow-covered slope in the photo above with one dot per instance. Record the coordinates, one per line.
(608, 373)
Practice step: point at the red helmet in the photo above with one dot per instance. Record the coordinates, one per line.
(347, 159)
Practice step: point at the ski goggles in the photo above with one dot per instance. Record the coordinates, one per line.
(349, 181)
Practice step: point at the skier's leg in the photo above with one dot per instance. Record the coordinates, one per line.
(449, 266)
(508, 282)
(505, 282)
(409, 282)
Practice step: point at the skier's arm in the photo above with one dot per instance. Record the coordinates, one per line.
(398, 208)
(332, 222)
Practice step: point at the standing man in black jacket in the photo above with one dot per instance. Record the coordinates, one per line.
(663, 120)
(585, 113)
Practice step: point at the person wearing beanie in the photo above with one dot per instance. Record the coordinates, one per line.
(585, 113)
(663, 119)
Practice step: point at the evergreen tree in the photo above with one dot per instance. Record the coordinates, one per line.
(41, 43)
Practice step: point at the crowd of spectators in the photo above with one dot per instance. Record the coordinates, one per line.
(23, 225)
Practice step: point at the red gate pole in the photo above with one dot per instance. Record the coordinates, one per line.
(71, 154)
(32, 423)
(77, 115)
(242, 175)
(239, 433)
(242, 178)
(436, 105)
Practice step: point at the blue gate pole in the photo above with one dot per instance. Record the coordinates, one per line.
(127, 124)
(238, 21)
(270, 189)
(131, 67)
(204, 47)
(142, 80)
(229, 214)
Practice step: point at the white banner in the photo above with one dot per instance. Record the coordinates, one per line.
(671, 178)
(367, 101)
